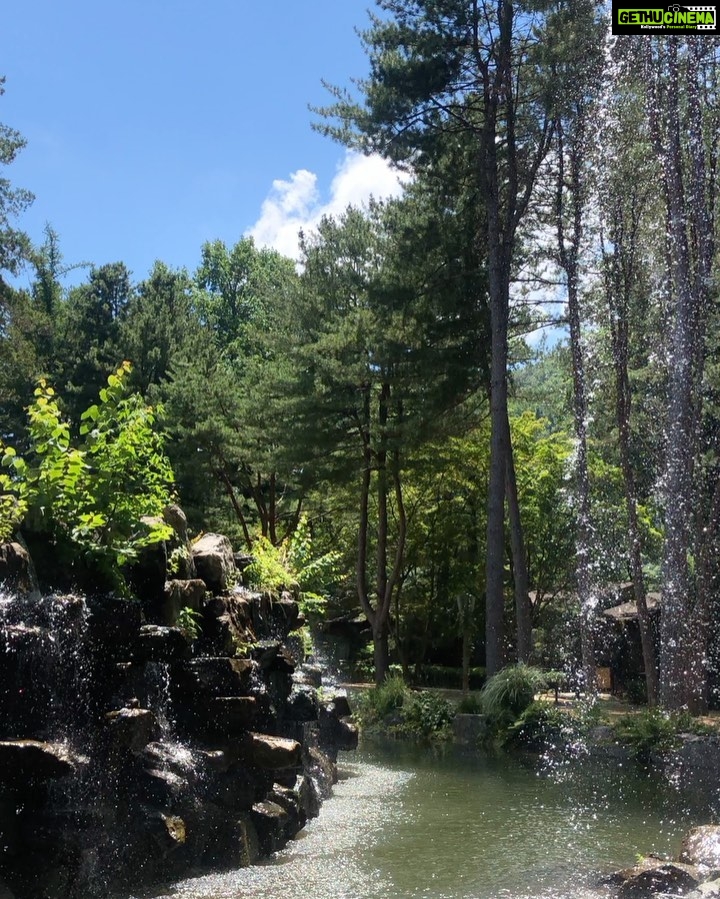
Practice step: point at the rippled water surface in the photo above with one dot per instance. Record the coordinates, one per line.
(406, 822)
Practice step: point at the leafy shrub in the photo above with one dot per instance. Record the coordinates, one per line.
(293, 565)
(470, 705)
(427, 715)
(542, 724)
(188, 621)
(377, 703)
(651, 730)
(394, 709)
(268, 568)
(100, 492)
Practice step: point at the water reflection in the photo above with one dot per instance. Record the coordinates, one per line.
(407, 823)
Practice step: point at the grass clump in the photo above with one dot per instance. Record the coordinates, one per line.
(506, 695)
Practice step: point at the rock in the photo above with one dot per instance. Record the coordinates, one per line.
(339, 706)
(322, 769)
(707, 890)
(132, 729)
(309, 675)
(114, 627)
(272, 753)
(214, 562)
(336, 733)
(215, 676)
(308, 796)
(702, 847)
(168, 831)
(468, 729)
(173, 757)
(148, 572)
(653, 876)
(242, 561)
(248, 842)
(284, 614)
(23, 760)
(161, 644)
(177, 519)
(17, 572)
(699, 754)
(177, 595)
(231, 715)
(160, 787)
(303, 705)
(5, 891)
(270, 821)
(265, 653)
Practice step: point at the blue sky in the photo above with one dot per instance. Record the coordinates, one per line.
(155, 125)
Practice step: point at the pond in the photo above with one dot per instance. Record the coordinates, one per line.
(408, 821)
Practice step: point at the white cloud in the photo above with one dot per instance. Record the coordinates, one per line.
(297, 204)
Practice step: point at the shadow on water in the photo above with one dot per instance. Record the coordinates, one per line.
(408, 821)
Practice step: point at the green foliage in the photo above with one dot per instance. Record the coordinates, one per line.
(176, 560)
(269, 569)
(376, 704)
(543, 724)
(14, 244)
(101, 492)
(506, 695)
(427, 715)
(470, 705)
(651, 730)
(188, 621)
(392, 708)
(655, 730)
(293, 564)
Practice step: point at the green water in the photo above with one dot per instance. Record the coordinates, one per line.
(410, 822)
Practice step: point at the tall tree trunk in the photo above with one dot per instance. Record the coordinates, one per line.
(523, 610)
(620, 274)
(499, 451)
(569, 256)
(682, 662)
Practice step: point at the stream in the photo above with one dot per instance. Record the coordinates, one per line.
(407, 821)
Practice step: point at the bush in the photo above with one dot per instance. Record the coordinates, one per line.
(293, 565)
(379, 703)
(99, 493)
(427, 715)
(653, 730)
(510, 692)
(469, 705)
(393, 709)
(648, 731)
(542, 724)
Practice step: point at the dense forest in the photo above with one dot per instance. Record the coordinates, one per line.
(384, 421)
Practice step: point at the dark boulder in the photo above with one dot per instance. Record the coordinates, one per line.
(161, 644)
(27, 760)
(131, 729)
(653, 876)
